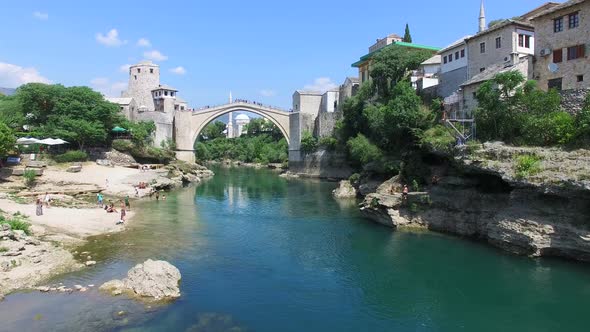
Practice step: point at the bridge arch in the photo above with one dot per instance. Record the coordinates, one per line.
(188, 125)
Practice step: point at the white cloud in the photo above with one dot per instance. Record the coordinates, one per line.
(267, 93)
(124, 68)
(321, 84)
(108, 88)
(111, 39)
(41, 16)
(155, 55)
(178, 70)
(12, 76)
(144, 42)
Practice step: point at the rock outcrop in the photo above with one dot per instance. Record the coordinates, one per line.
(479, 196)
(157, 280)
(345, 190)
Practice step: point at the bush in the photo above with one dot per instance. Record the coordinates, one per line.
(362, 151)
(71, 156)
(527, 165)
(354, 178)
(122, 145)
(30, 177)
(308, 143)
(550, 129)
(17, 224)
(328, 143)
(437, 138)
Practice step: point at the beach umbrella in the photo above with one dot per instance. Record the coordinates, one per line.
(118, 130)
(27, 141)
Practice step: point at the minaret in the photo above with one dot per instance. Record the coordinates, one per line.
(482, 18)
(230, 123)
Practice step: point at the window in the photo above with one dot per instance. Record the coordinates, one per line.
(481, 69)
(457, 55)
(482, 47)
(557, 55)
(165, 93)
(135, 76)
(499, 42)
(363, 77)
(580, 78)
(445, 59)
(451, 57)
(463, 53)
(554, 84)
(151, 70)
(558, 24)
(576, 52)
(574, 20)
(138, 70)
(524, 41)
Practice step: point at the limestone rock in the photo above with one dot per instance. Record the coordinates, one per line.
(90, 263)
(74, 169)
(157, 280)
(345, 190)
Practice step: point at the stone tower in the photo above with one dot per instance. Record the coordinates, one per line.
(143, 78)
(482, 17)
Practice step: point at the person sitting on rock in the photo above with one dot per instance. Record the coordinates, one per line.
(405, 192)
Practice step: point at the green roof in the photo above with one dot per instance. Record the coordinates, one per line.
(404, 44)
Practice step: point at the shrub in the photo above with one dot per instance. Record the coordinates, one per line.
(3, 249)
(30, 177)
(362, 151)
(550, 129)
(437, 138)
(17, 224)
(415, 185)
(328, 143)
(308, 143)
(71, 156)
(354, 178)
(527, 165)
(122, 145)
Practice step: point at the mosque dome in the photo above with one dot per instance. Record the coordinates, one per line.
(242, 117)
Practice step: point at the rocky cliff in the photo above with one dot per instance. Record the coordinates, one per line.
(480, 195)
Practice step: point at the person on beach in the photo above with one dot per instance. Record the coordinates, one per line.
(100, 200)
(157, 195)
(164, 197)
(123, 212)
(39, 204)
(127, 205)
(111, 208)
(47, 199)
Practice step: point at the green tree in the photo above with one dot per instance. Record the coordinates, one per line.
(393, 64)
(213, 130)
(362, 151)
(11, 112)
(308, 142)
(7, 139)
(407, 35)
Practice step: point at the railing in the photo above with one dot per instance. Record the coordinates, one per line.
(240, 101)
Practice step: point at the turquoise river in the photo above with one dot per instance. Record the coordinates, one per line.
(261, 253)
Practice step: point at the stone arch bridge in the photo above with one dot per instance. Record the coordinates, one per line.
(189, 124)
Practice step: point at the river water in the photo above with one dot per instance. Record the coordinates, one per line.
(262, 253)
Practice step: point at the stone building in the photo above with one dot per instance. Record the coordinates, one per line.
(146, 99)
(561, 53)
(453, 68)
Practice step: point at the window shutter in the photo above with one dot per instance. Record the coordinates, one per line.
(557, 55)
(581, 51)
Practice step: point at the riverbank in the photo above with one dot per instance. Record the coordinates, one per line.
(73, 215)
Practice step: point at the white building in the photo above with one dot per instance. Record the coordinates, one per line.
(241, 121)
(453, 69)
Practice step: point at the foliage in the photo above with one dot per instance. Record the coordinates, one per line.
(168, 144)
(362, 151)
(261, 126)
(261, 149)
(527, 165)
(354, 178)
(407, 35)
(123, 145)
(3, 249)
(308, 142)
(415, 185)
(394, 63)
(583, 120)
(10, 112)
(30, 177)
(71, 156)
(141, 131)
(496, 22)
(212, 131)
(328, 143)
(76, 114)
(7, 139)
(437, 138)
(17, 224)
(516, 111)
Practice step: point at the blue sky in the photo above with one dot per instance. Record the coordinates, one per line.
(259, 50)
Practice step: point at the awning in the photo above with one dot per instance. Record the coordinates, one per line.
(51, 141)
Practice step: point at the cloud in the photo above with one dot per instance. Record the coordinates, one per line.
(321, 84)
(178, 70)
(111, 39)
(12, 76)
(41, 16)
(124, 68)
(267, 93)
(108, 88)
(144, 42)
(155, 55)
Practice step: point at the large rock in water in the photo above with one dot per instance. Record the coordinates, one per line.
(153, 279)
(345, 190)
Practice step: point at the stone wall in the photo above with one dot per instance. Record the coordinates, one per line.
(451, 81)
(325, 124)
(572, 101)
(322, 164)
